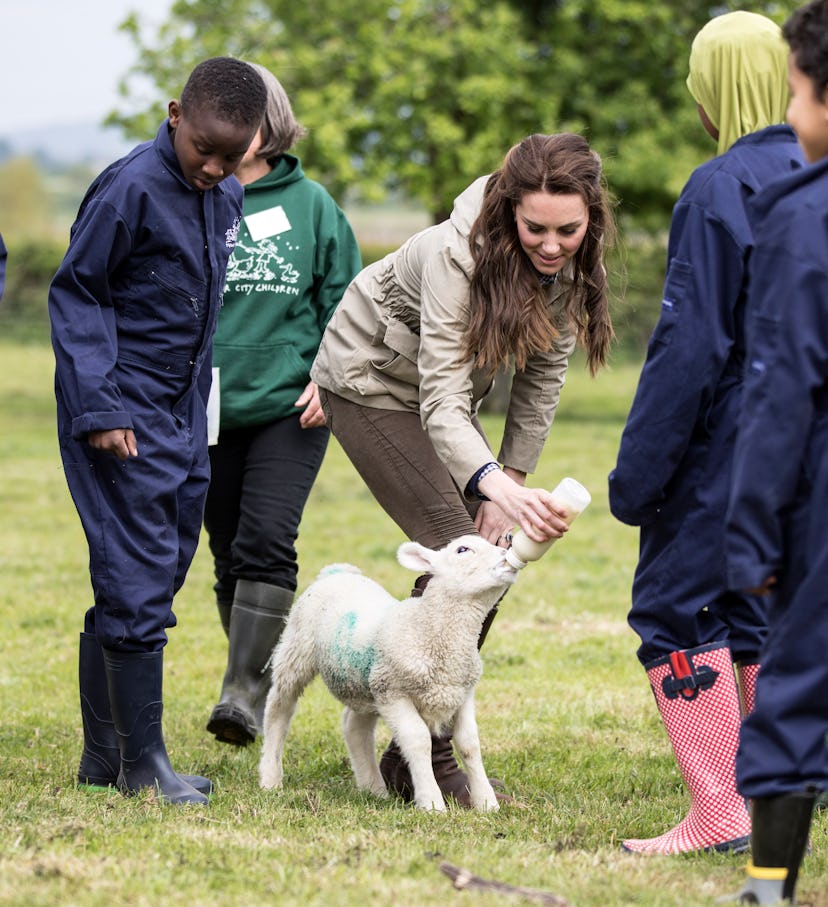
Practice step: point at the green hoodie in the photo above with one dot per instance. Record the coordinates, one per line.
(294, 257)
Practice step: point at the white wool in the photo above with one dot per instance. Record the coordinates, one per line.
(414, 662)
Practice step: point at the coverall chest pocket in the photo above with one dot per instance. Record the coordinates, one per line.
(179, 288)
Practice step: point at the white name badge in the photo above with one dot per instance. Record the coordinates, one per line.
(214, 409)
(267, 223)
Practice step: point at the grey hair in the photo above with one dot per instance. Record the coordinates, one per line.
(280, 129)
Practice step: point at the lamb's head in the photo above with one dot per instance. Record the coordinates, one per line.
(469, 566)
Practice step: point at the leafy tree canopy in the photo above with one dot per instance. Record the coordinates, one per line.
(422, 96)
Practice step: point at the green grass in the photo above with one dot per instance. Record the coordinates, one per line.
(565, 714)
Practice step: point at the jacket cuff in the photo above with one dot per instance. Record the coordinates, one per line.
(471, 487)
(82, 425)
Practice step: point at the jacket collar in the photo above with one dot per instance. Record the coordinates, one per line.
(164, 147)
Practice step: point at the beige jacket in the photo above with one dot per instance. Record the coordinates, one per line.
(397, 337)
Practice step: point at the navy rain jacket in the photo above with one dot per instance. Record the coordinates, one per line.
(673, 469)
(779, 498)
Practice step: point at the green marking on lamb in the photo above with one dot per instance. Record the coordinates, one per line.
(348, 659)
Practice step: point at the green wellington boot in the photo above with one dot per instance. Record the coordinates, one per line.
(257, 619)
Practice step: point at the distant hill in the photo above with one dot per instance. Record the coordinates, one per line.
(81, 143)
(70, 156)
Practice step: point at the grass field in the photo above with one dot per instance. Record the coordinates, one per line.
(566, 718)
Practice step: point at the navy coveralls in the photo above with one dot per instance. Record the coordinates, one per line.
(778, 519)
(673, 470)
(133, 310)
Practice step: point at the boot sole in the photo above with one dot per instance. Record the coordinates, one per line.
(230, 729)
(111, 787)
(737, 845)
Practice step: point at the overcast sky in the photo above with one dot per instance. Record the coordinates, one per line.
(61, 60)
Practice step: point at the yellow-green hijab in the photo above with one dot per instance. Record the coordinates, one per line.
(739, 74)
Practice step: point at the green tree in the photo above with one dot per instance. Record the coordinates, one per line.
(422, 96)
(620, 70)
(24, 198)
(410, 95)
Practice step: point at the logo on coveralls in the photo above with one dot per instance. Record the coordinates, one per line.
(231, 235)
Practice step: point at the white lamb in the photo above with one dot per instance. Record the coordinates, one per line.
(414, 663)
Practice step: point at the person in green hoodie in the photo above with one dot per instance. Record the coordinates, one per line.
(295, 256)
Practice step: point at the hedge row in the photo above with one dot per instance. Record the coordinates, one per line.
(636, 274)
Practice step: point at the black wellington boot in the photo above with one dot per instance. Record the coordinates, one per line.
(224, 611)
(259, 613)
(779, 838)
(101, 759)
(134, 681)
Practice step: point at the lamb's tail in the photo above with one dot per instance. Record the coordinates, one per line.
(331, 569)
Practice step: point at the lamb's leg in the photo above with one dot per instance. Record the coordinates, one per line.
(290, 677)
(414, 739)
(467, 741)
(358, 730)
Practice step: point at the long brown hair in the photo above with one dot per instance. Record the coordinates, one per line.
(508, 303)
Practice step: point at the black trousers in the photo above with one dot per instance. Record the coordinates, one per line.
(261, 478)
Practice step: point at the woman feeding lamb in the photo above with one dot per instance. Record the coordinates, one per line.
(515, 275)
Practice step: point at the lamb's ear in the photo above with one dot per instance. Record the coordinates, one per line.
(415, 556)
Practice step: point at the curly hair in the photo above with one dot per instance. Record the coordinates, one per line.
(508, 303)
(228, 88)
(806, 32)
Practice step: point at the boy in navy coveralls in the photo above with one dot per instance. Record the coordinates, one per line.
(133, 309)
(777, 540)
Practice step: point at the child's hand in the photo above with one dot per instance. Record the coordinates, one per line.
(313, 416)
(118, 441)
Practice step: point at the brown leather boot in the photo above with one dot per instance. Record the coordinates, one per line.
(450, 778)
(397, 782)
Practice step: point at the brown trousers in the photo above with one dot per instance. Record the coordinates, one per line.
(392, 453)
